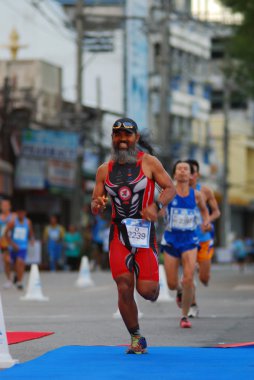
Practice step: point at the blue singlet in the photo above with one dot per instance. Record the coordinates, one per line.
(180, 233)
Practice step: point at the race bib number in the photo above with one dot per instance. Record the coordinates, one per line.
(138, 232)
(183, 219)
(19, 233)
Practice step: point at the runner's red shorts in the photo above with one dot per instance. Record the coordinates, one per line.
(144, 262)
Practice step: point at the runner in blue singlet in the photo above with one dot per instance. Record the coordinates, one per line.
(179, 241)
(206, 238)
(21, 232)
(5, 217)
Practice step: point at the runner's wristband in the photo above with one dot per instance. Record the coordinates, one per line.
(159, 205)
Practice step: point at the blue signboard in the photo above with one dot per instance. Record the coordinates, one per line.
(56, 145)
(137, 61)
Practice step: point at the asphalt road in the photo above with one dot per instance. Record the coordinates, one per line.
(84, 316)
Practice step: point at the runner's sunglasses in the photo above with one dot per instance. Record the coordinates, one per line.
(125, 124)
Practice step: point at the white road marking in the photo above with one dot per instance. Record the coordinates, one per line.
(244, 287)
(38, 316)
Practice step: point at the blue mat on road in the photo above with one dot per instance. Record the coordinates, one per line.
(163, 363)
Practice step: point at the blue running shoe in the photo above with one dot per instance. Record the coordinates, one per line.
(138, 345)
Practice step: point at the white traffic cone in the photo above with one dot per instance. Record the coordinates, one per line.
(6, 360)
(117, 314)
(164, 295)
(34, 292)
(84, 278)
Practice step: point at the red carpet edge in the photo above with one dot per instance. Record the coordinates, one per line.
(14, 337)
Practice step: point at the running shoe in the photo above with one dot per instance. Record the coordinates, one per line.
(15, 279)
(7, 285)
(19, 285)
(138, 345)
(185, 323)
(194, 311)
(179, 294)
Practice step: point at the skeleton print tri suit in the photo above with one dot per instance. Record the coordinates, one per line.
(130, 191)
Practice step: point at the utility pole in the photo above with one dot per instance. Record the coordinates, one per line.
(165, 77)
(99, 120)
(225, 215)
(225, 225)
(79, 23)
(77, 194)
(4, 114)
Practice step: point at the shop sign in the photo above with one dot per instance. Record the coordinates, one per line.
(50, 144)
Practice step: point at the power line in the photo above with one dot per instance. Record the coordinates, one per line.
(32, 21)
(63, 23)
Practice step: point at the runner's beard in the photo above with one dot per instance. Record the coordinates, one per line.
(124, 156)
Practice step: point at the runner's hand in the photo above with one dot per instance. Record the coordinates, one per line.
(150, 213)
(99, 204)
(206, 227)
(15, 246)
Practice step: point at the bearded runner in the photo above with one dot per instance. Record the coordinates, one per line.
(129, 179)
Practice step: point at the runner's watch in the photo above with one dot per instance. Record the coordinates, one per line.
(159, 205)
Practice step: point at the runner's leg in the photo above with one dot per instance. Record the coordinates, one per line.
(171, 265)
(204, 256)
(7, 264)
(146, 268)
(20, 268)
(123, 268)
(188, 261)
(204, 271)
(126, 302)
(148, 289)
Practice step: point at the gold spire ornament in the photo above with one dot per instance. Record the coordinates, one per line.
(14, 46)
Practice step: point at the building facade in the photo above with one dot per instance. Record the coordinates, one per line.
(38, 150)
(128, 64)
(231, 127)
(188, 90)
(239, 122)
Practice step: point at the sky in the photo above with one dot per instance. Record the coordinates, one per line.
(213, 8)
(213, 5)
(43, 32)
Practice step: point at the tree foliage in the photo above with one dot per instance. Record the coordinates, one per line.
(241, 45)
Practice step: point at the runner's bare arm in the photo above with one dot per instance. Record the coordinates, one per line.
(155, 170)
(163, 179)
(7, 234)
(8, 229)
(212, 203)
(206, 226)
(99, 197)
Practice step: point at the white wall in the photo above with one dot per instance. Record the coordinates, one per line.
(109, 68)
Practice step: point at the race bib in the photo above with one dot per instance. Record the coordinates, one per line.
(183, 219)
(19, 233)
(138, 232)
